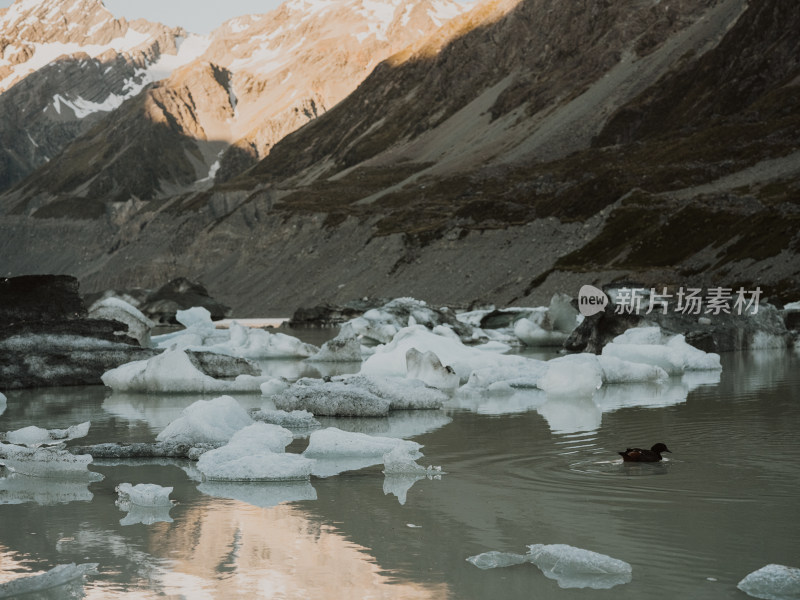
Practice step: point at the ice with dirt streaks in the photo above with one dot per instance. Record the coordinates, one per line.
(255, 453)
(173, 372)
(345, 347)
(772, 582)
(207, 421)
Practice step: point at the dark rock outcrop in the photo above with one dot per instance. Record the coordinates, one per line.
(180, 294)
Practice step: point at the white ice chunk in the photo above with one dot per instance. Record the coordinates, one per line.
(649, 345)
(694, 359)
(401, 461)
(572, 375)
(296, 419)
(772, 582)
(36, 436)
(47, 462)
(253, 343)
(428, 368)
(173, 372)
(402, 393)
(197, 315)
(345, 347)
(142, 494)
(64, 581)
(616, 370)
(207, 421)
(639, 336)
(532, 334)
(578, 568)
(335, 442)
(660, 356)
(523, 375)
(255, 454)
(495, 559)
(116, 309)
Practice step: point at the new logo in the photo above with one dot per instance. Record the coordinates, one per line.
(591, 300)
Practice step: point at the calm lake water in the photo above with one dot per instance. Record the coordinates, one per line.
(519, 471)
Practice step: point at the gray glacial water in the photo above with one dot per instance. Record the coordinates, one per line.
(520, 471)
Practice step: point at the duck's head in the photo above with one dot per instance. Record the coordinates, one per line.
(660, 448)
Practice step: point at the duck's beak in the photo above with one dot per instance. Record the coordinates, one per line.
(667, 450)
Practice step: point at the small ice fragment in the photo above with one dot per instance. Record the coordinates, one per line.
(207, 421)
(578, 568)
(2, 403)
(63, 581)
(428, 368)
(772, 582)
(274, 386)
(142, 494)
(400, 461)
(335, 442)
(36, 436)
(413, 526)
(495, 559)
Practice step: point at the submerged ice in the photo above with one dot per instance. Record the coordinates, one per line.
(63, 581)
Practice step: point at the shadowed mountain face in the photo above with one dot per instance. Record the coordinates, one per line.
(523, 148)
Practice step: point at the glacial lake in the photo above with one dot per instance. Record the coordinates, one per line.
(519, 471)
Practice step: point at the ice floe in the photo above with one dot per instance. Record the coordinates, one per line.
(255, 453)
(571, 567)
(47, 462)
(575, 567)
(62, 581)
(649, 345)
(207, 421)
(772, 582)
(32, 436)
(174, 372)
(201, 334)
(294, 420)
(145, 503)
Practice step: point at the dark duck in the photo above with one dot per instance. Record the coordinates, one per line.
(639, 455)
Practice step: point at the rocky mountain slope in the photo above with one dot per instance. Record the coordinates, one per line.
(259, 78)
(524, 148)
(63, 65)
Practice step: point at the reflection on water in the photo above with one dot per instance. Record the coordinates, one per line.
(522, 469)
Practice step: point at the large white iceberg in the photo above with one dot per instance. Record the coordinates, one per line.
(772, 582)
(207, 421)
(36, 436)
(255, 453)
(575, 567)
(173, 372)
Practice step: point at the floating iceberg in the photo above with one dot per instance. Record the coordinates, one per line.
(274, 386)
(36, 436)
(495, 559)
(146, 450)
(522, 375)
(772, 582)
(649, 345)
(390, 360)
(332, 398)
(382, 324)
(239, 341)
(47, 462)
(335, 442)
(345, 347)
(142, 494)
(429, 369)
(578, 568)
(402, 393)
(255, 453)
(207, 421)
(401, 461)
(63, 581)
(572, 375)
(174, 372)
(145, 503)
